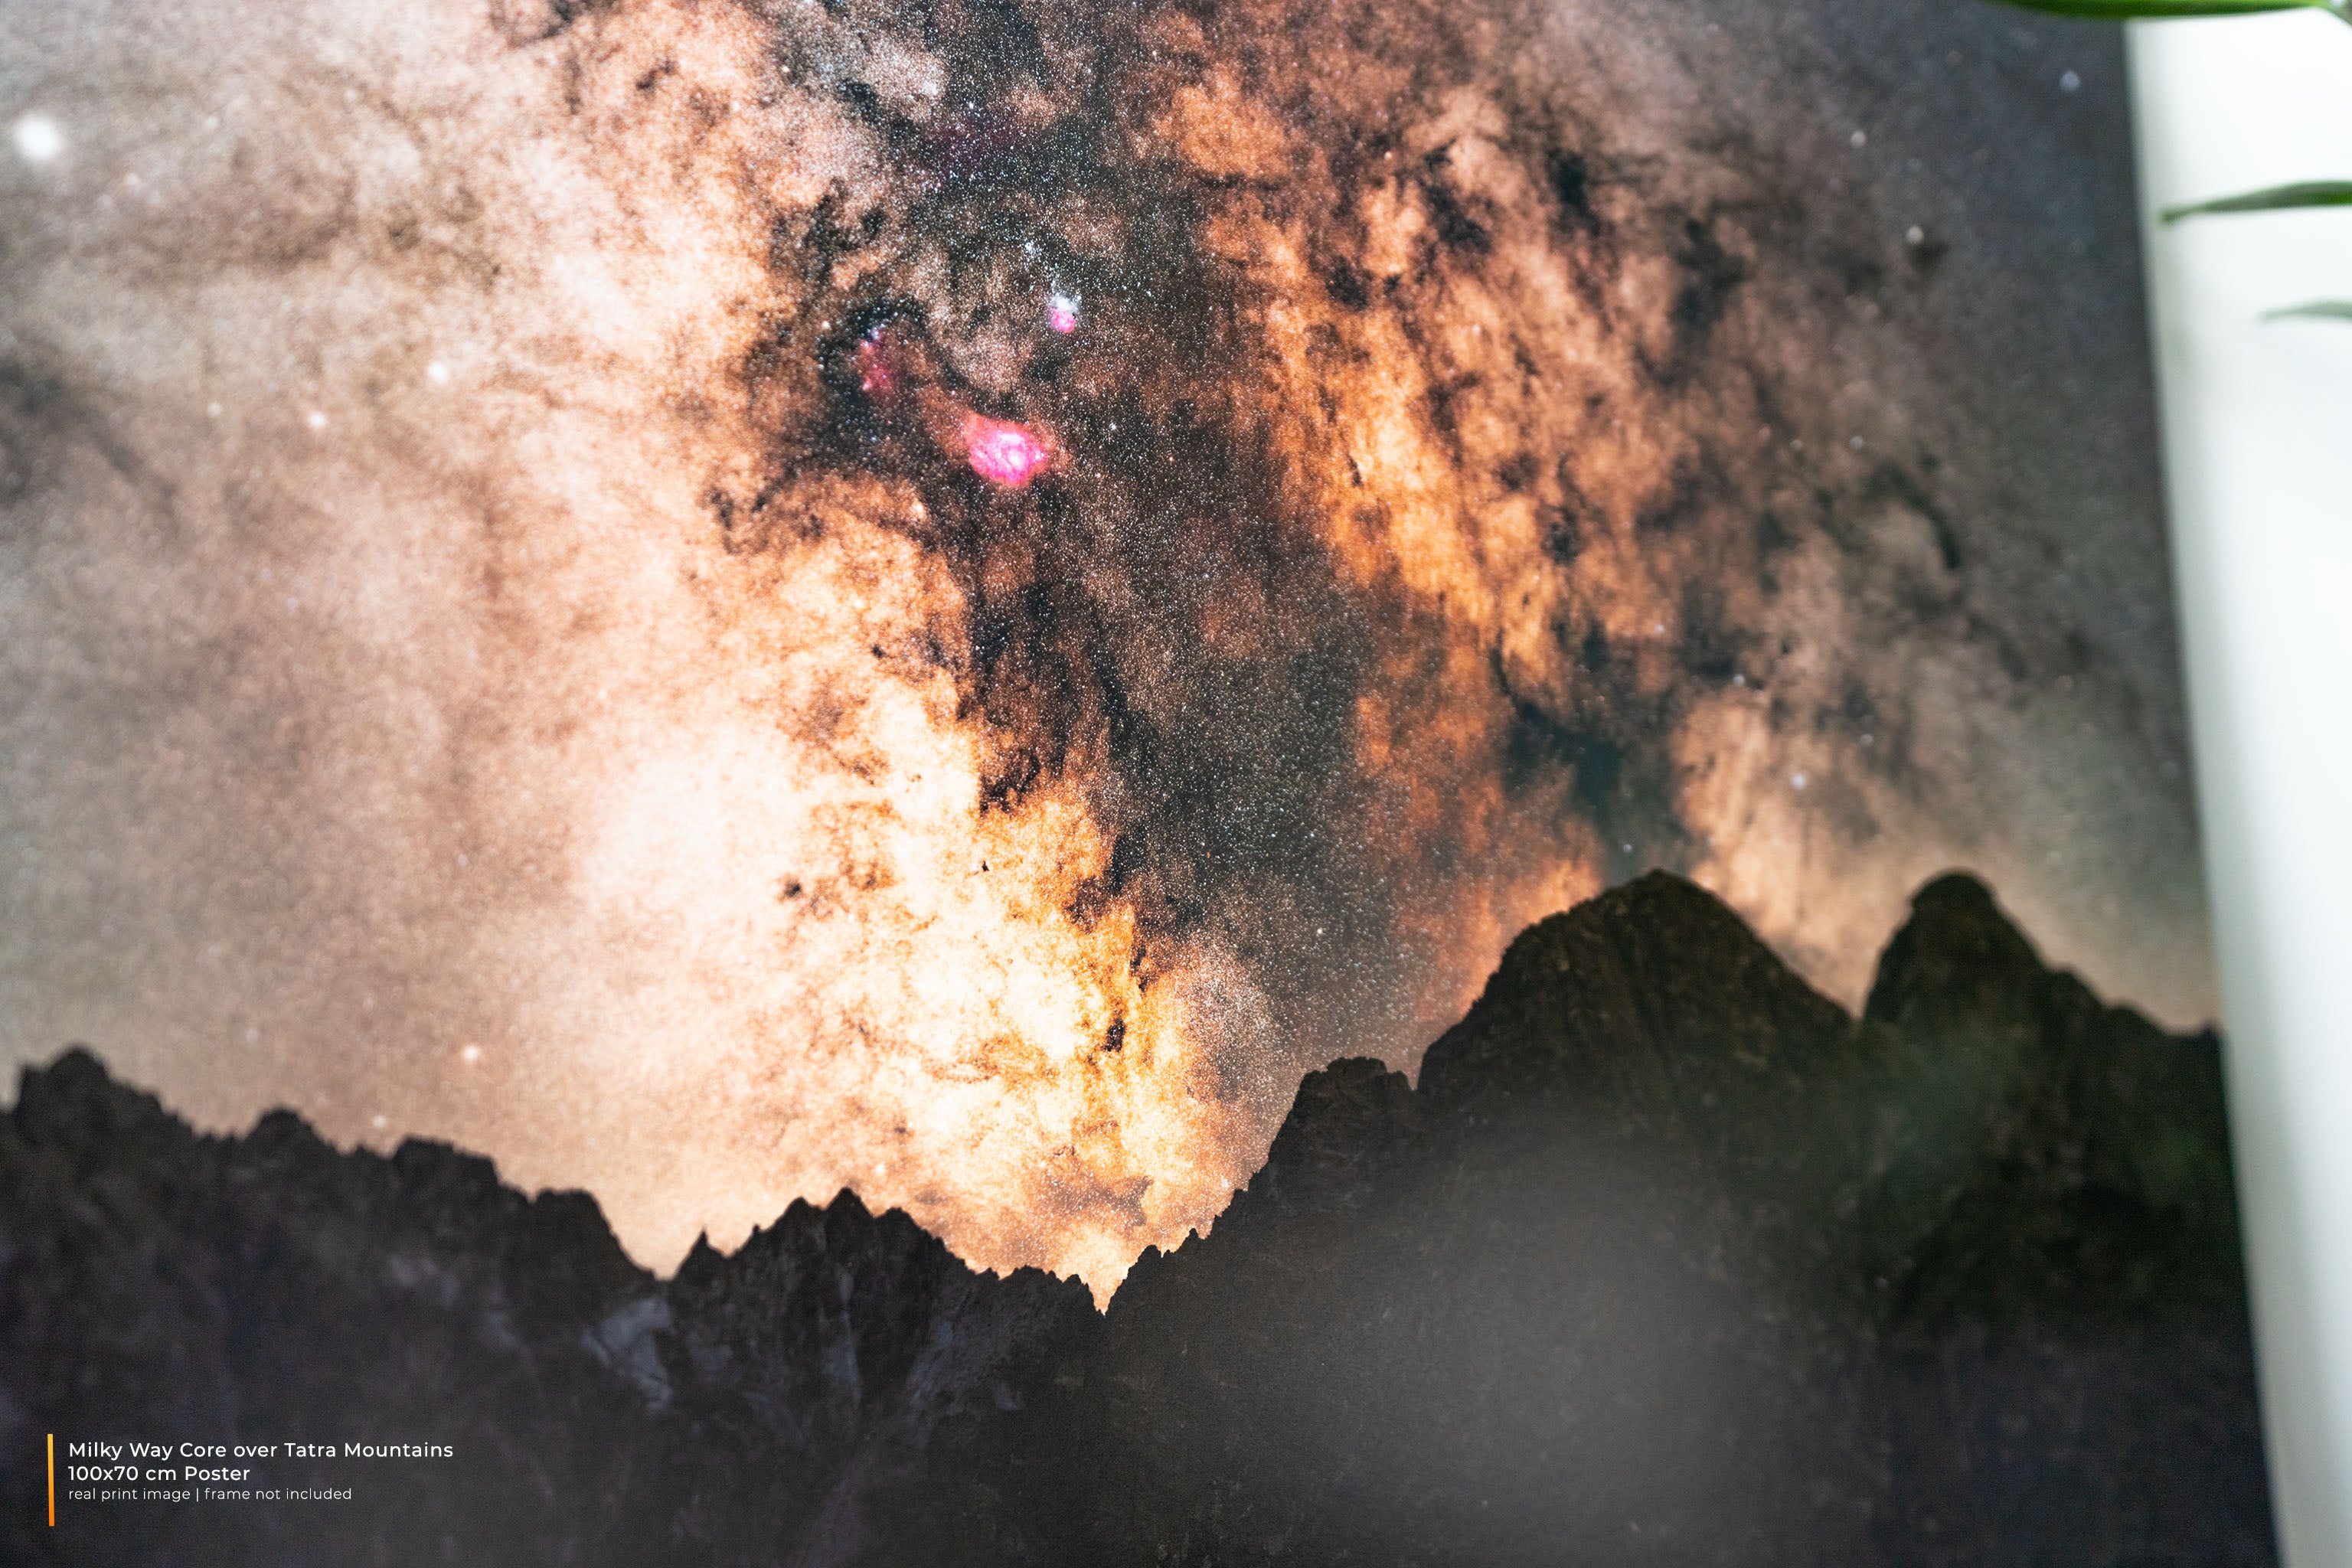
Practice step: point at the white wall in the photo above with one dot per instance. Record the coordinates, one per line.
(2258, 422)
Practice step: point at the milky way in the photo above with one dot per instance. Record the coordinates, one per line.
(722, 600)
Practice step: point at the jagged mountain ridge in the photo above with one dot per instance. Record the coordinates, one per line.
(1667, 1259)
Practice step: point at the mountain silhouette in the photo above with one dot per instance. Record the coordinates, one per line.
(1666, 1260)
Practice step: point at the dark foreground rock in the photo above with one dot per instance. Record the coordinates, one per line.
(1667, 1260)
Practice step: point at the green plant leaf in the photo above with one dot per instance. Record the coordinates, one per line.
(2276, 198)
(2159, 10)
(2320, 310)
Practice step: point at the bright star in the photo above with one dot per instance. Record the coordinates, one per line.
(38, 140)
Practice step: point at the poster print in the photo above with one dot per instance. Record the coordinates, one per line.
(1176, 783)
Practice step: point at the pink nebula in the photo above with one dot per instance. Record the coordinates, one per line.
(875, 375)
(1062, 313)
(1004, 453)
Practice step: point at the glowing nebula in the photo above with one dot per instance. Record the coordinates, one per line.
(1003, 453)
(877, 377)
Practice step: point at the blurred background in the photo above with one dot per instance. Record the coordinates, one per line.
(2259, 465)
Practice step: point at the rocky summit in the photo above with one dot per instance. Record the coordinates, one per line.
(1666, 1260)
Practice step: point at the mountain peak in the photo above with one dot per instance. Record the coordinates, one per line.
(1626, 993)
(1959, 948)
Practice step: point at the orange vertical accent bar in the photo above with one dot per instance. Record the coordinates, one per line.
(53, 1480)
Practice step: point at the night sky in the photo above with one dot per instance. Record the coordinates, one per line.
(722, 600)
